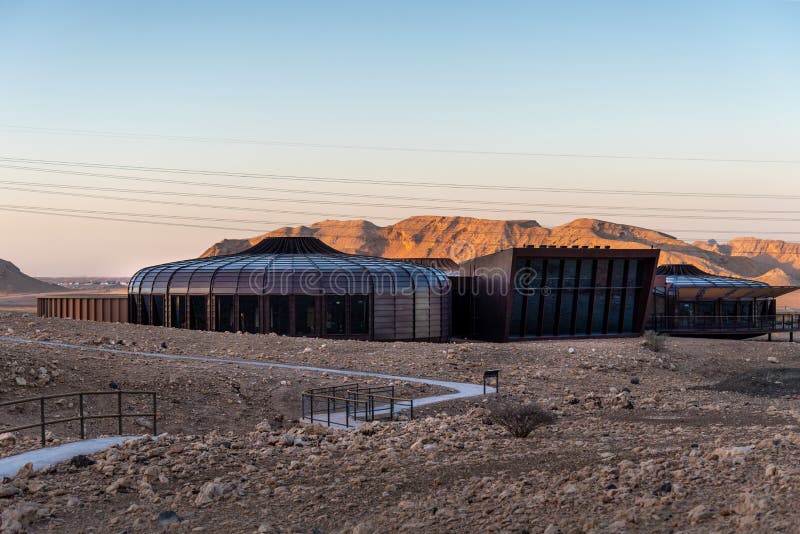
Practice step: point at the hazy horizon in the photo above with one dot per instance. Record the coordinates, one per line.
(586, 101)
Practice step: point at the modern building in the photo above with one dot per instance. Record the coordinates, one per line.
(296, 286)
(554, 292)
(689, 301)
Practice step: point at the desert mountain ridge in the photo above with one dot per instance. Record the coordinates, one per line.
(14, 281)
(462, 238)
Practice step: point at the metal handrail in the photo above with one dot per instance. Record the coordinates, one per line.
(358, 400)
(82, 417)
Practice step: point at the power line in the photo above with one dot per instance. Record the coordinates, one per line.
(55, 211)
(145, 221)
(427, 184)
(527, 205)
(163, 202)
(346, 216)
(387, 148)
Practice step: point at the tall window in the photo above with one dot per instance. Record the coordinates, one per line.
(249, 320)
(304, 315)
(279, 314)
(178, 309)
(198, 312)
(335, 315)
(146, 309)
(158, 310)
(550, 297)
(133, 309)
(223, 312)
(584, 308)
(359, 314)
(568, 284)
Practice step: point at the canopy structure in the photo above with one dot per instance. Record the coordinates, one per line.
(687, 282)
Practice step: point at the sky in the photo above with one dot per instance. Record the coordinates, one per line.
(700, 97)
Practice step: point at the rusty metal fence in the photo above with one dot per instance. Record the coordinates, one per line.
(82, 417)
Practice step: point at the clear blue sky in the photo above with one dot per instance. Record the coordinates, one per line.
(715, 79)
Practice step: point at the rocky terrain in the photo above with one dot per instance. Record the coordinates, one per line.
(13, 281)
(703, 436)
(462, 238)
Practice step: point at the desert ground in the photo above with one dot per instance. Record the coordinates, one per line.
(703, 436)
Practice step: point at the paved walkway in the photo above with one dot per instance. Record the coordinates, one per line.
(44, 457)
(11, 465)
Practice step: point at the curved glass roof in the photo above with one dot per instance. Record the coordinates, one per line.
(289, 266)
(692, 283)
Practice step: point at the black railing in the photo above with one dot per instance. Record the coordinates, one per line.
(725, 323)
(347, 404)
(119, 415)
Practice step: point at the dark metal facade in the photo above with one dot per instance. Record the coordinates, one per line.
(298, 287)
(555, 292)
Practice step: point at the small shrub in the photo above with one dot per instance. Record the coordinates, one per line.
(519, 418)
(654, 341)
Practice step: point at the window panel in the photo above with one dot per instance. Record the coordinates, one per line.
(532, 314)
(359, 314)
(583, 311)
(249, 319)
(631, 296)
(279, 314)
(599, 311)
(198, 312)
(146, 309)
(565, 312)
(614, 311)
(224, 313)
(178, 309)
(335, 315)
(517, 301)
(304, 315)
(158, 310)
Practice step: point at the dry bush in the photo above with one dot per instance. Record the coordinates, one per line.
(654, 341)
(519, 418)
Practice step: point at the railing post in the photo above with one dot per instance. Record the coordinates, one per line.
(302, 406)
(311, 408)
(83, 422)
(41, 412)
(411, 411)
(391, 407)
(119, 411)
(329, 411)
(155, 415)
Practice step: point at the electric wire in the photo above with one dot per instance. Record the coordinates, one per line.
(387, 148)
(426, 184)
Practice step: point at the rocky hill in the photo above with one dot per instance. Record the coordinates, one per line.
(13, 281)
(462, 238)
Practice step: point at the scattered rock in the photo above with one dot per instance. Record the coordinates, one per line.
(168, 517)
(8, 490)
(210, 491)
(80, 461)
